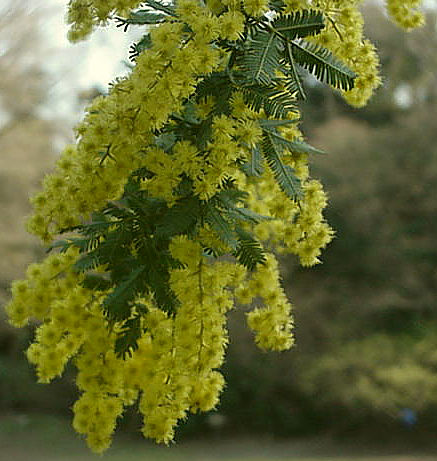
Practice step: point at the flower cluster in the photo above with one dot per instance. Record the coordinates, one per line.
(84, 15)
(406, 13)
(271, 323)
(185, 127)
(343, 35)
(117, 130)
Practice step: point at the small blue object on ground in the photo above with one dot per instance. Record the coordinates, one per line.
(408, 417)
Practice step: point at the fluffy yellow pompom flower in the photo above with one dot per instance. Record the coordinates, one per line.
(231, 25)
(256, 7)
(405, 13)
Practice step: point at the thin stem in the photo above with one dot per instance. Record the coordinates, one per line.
(294, 71)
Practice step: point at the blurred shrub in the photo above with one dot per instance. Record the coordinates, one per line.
(377, 376)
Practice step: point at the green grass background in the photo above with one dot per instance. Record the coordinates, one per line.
(44, 438)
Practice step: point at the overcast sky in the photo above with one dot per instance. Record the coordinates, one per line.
(99, 57)
(94, 62)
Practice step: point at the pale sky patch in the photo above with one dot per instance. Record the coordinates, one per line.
(94, 62)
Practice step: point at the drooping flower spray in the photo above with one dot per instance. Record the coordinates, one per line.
(185, 180)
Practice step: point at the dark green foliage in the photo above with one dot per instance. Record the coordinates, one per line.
(219, 85)
(233, 203)
(276, 5)
(140, 17)
(166, 141)
(145, 17)
(273, 99)
(265, 123)
(280, 44)
(220, 225)
(90, 261)
(273, 145)
(131, 238)
(230, 220)
(254, 166)
(267, 47)
(245, 214)
(284, 174)
(301, 147)
(231, 196)
(180, 218)
(261, 58)
(320, 62)
(249, 252)
(117, 305)
(148, 16)
(96, 282)
(292, 73)
(281, 143)
(164, 7)
(137, 48)
(131, 331)
(299, 24)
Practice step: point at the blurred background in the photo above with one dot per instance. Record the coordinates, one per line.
(361, 382)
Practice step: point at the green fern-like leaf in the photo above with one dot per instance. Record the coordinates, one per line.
(250, 252)
(140, 17)
(89, 261)
(118, 211)
(254, 166)
(230, 197)
(63, 245)
(219, 85)
(276, 5)
(242, 214)
(320, 62)
(166, 141)
(284, 174)
(276, 102)
(164, 7)
(261, 58)
(282, 143)
(158, 277)
(299, 24)
(231, 202)
(128, 336)
(302, 147)
(96, 282)
(294, 81)
(84, 244)
(221, 226)
(117, 304)
(179, 219)
(267, 123)
(137, 48)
